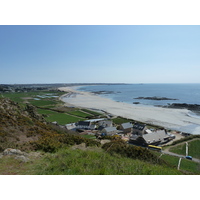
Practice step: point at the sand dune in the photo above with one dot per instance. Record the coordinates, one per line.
(178, 119)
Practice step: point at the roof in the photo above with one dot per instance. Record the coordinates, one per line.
(83, 123)
(70, 126)
(139, 126)
(105, 123)
(127, 125)
(155, 136)
(110, 129)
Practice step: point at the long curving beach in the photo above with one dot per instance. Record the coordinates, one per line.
(177, 119)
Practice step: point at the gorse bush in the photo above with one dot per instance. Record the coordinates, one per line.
(51, 142)
(131, 151)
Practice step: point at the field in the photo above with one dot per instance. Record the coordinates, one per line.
(186, 165)
(193, 148)
(49, 105)
(60, 118)
(80, 113)
(120, 120)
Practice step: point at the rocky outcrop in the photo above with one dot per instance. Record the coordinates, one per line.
(155, 98)
(193, 107)
(20, 155)
(16, 153)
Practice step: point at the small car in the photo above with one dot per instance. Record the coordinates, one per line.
(188, 157)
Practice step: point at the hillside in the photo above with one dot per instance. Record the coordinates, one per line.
(53, 152)
(18, 126)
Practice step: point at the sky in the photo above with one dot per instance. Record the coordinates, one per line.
(99, 54)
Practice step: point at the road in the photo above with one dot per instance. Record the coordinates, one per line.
(166, 151)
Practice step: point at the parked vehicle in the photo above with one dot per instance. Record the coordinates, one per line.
(188, 157)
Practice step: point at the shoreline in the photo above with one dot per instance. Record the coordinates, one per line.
(170, 118)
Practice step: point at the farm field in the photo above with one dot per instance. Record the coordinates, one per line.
(80, 113)
(49, 105)
(61, 118)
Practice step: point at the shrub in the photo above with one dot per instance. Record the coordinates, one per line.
(131, 151)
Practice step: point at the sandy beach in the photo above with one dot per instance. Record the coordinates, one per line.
(177, 119)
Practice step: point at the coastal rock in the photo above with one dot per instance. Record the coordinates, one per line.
(155, 98)
(105, 92)
(136, 102)
(193, 107)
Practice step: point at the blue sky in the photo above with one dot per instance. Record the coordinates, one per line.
(98, 54)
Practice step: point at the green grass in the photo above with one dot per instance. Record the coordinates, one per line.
(78, 162)
(80, 114)
(120, 120)
(91, 112)
(193, 148)
(42, 103)
(186, 165)
(89, 136)
(18, 97)
(61, 118)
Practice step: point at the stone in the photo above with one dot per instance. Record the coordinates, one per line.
(22, 158)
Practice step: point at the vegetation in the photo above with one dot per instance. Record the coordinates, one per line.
(91, 112)
(186, 166)
(120, 120)
(193, 148)
(185, 139)
(80, 114)
(60, 118)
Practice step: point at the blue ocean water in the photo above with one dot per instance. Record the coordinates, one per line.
(185, 93)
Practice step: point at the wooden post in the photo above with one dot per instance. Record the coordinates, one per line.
(179, 163)
(186, 150)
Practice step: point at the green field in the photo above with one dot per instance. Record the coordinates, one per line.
(186, 165)
(61, 118)
(91, 112)
(193, 148)
(120, 120)
(48, 100)
(42, 103)
(80, 114)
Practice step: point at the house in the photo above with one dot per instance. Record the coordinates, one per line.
(109, 130)
(126, 127)
(86, 125)
(105, 123)
(156, 137)
(139, 129)
(71, 126)
(152, 138)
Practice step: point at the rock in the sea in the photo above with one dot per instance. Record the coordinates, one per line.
(155, 98)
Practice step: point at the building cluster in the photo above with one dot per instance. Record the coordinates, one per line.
(134, 133)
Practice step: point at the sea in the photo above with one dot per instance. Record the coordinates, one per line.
(129, 93)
